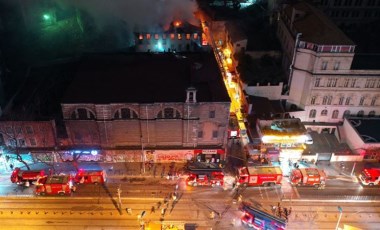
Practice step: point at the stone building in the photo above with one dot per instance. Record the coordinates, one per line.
(174, 105)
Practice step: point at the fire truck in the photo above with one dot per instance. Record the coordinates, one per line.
(257, 219)
(205, 178)
(308, 177)
(26, 177)
(370, 176)
(90, 176)
(55, 185)
(259, 176)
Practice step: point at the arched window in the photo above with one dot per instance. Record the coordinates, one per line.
(335, 114)
(312, 113)
(125, 113)
(371, 113)
(82, 114)
(346, 113)
(324, 112)
(360, 113)
(169, 113)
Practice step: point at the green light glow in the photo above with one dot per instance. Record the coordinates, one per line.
(46, 16)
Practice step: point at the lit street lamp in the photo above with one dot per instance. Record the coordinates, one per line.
(340, 216)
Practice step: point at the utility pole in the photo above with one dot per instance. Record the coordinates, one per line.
(119, 196)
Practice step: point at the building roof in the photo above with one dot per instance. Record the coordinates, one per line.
(235, 31)
(367, 128)
(315, 26)
(146, 78)
(264, 108)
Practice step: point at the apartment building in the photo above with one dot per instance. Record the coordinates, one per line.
(318, 58)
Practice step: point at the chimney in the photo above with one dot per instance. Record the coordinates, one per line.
(191, 93)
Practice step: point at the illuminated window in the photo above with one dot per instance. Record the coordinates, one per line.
(324, 112)
(360, 113)
(169, 113)
(172, 36)
(141, 37)
(371, 113)
(156, 36)
(125, 113)
(188, 36)
(312, 113)
(148, 36)
(179, 36)
(195, 36)
(335, 114)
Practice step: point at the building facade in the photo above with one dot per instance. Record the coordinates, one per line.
(319, 57)
(151, 102)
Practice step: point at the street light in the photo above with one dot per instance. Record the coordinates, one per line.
(340, 216)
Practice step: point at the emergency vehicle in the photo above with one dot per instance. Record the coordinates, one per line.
(370, 176)
(55, 185)
(205, 179)
(308, 177)
(259, 176)
(26, 177)
(90, 176)
(257, 219)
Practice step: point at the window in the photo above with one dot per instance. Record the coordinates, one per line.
(148, 36)
(169, 113)
(324, 100)
(346, 113)
(378, 84)
(179, 36)
(329, 82)
(141, 37)
(361, 100)
(358, 2)
(195, 36)
(324, 65)
(172, 36)
(18, 130)
(125, 113)
(21, 142)
(335, 114)
(324, 112)
(347, 2)
(353, 82)
(371, 113)
(341, 99)
(346, 82)
(312, 113)
(200, 134)
(12, 142)
(348, 99)
(317, 81)
(313, 100)
(211, 114)
(29, 130)
(329, 99)
(188, 36)
(215, 134)
(373, 101)
(360, 113)
(2, 141)
(334, 81)
(163, 36)
(82, 114)
(32, 141)
(336, 65)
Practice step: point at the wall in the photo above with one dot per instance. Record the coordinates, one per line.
(272, 92)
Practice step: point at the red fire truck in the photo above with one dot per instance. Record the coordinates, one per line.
(308, 177)
(90, 176)
(55, 185)
(370, 176)
(26, 177)
(259, 176)
(204, 178)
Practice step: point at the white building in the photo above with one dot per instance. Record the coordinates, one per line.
(322, 82)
